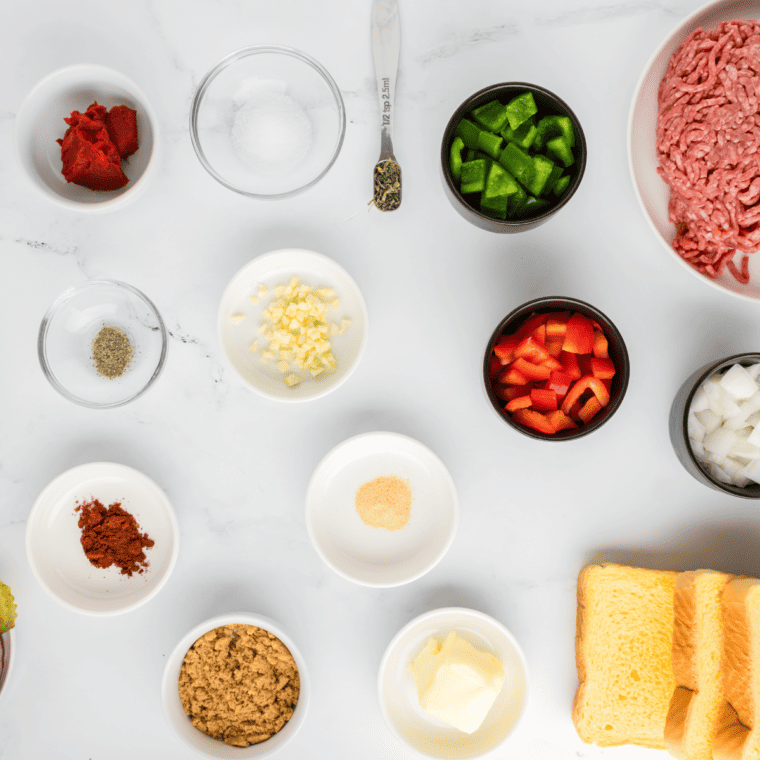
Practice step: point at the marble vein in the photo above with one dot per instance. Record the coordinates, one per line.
(459, 42)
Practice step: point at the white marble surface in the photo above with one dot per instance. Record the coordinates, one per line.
(236, 466)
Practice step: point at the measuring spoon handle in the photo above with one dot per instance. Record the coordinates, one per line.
(386, 43)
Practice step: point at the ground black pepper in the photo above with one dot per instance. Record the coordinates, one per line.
(112, 352)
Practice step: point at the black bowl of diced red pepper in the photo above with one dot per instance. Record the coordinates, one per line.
(556, 369)
(512, 155)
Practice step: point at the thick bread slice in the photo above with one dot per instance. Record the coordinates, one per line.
(737, 738)
(622, 651)
(692, 719)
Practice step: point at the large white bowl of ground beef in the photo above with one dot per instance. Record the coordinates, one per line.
(694, 144)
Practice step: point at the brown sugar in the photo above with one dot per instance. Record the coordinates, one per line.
(239, 684)
(385, 502)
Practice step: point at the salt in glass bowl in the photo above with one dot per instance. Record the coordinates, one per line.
(263, 71)
(64, 344)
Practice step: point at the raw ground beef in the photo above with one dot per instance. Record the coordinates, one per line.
(708, 135)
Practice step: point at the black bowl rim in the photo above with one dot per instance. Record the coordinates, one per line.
(750, 357)
(559, 303)
(467, 105)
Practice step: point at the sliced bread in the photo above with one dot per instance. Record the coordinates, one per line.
(623, 649)
(737, 738)
(692, 719)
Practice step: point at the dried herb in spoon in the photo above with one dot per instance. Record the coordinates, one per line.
(387, 186)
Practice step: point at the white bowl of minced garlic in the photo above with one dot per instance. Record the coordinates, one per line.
(292, 324)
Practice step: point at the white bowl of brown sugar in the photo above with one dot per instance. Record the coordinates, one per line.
(235, 686)
(381, 509)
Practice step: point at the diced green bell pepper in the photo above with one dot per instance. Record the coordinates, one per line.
(561, 185)
(499, 182)
(517, 202)
(470, 155)
(558, 148)
(532, 205)
(469, 133)
(553, 177)
(490, 144)
(518, 163)
(523, 136)
(455, 158)
(473, 176)
(554, 126)
(520, 109)
(492, 115)
(542, 170)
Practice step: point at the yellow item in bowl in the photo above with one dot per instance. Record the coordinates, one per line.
(7, 609)
(456, 682)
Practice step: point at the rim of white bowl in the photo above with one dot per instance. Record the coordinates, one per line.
(444, 549)
(443, 612)
(327, 389)
(137, 603)
(257, 50)
(42, 343)
(176, 658)
(138, 185)
(678, 29)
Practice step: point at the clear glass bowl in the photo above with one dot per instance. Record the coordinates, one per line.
(265, 72)
(69, 327)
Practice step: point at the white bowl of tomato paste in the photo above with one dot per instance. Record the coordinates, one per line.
(107, 129)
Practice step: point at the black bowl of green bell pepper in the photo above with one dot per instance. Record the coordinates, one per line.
(512, 155)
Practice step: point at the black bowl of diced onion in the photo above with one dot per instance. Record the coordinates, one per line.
(715, 425)
(499, 170)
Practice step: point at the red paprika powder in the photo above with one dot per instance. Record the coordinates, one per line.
(112, 537)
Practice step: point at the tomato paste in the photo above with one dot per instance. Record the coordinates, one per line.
(91, 149)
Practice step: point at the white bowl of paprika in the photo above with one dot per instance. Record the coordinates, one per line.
(120, 566)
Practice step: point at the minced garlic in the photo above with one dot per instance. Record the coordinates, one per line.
(298, 331)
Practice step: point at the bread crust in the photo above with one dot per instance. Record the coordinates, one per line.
(693, 714)
(736, 738)
(623, 639)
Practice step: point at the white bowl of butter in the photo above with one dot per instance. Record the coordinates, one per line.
(476, 678)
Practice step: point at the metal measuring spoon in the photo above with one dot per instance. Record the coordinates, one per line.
(386, 41)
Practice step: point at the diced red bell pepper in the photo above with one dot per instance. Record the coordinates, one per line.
(534, 420)
(569, 364)
(505, 348)
(540, 333)
(554, 346)
(494, 366)
(508, 392)
(579, 336)
(552, 363)
(601, 345)
(586, 383)
(602, 368)
(511, 376)
(530, 370)
(543, 399)
(556, 324)
(584, 363)
(589, 409)
(519, 402)
(529, 326)
(531, 349)
(560, 383)
(560, 421)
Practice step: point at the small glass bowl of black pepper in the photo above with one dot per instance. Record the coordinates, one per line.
(102, 344)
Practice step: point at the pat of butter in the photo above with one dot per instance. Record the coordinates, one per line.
(456, 682)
